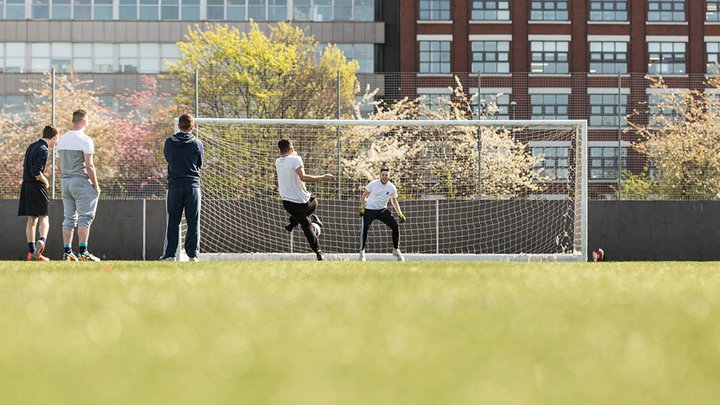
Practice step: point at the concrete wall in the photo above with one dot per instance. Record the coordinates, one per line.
(626, 230)
(655, 230)
(117, 233)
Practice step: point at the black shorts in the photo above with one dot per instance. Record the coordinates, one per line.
(34, 200)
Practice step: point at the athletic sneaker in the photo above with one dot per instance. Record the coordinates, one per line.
(164, 258)
(316, 220)
(194, 259)
(40, 258)
(39, 249)
(362, 255)
(320, 255)
(86, 256)
(397, 253)
(69, 257)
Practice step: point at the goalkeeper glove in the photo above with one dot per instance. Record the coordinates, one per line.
(402, 218)
(362, 212)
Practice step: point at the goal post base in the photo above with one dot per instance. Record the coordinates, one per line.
(388, 257)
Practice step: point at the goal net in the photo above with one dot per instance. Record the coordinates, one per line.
(471, 190)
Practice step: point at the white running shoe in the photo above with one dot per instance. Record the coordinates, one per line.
(397, 253)
(362, 255)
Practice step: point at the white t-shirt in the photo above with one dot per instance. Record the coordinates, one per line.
(71, 149)
(379, 194)
(289, 184)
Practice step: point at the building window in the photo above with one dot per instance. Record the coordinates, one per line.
(13, 104)
(490, 10)
(215, 10)
(435, 10)
(434, 56)
(660, 110)
(608, 10)
(88, 57)
(712, 10)
(364, 54)
(15, 9)
(190, 10)
(549, 57)
(666, 58)
(12, 57)
(666, 10)
(608, 57)
(435, 101)
(40, 9)
(493, 106)
(61, 9)
(555, 164)
(549, 106)
(606, 111)
(604, 162)
(549, 10)
(103, 10)
(713, 58)
(491, 57)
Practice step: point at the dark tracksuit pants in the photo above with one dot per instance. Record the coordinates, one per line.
(181, 198)
(386, 217)
(299, 214)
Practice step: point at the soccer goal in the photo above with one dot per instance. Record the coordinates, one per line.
(471, 190)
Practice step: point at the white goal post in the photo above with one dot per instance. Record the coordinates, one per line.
(472, 189)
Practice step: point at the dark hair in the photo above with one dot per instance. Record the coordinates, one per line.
(78, 116)
(185, 122)
(49, 132)
(384, 169)
(284, 145)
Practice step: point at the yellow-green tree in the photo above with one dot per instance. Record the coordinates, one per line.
(282, 74)
(682, 140)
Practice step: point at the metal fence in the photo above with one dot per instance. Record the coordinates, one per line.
(133, 114)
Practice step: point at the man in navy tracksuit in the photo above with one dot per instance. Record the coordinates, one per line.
(184, 154)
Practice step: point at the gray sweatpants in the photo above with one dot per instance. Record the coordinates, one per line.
(79, 202)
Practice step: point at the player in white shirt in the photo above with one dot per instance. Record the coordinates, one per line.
(297, 201)
(373, 205)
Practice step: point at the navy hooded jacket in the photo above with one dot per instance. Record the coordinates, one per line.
(184, 154)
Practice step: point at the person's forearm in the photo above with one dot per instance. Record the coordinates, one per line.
(312, 179)
(92, 175)
(43, 179)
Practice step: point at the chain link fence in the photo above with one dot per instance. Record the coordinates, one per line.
(132, 114)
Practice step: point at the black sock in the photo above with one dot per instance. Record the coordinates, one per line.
(42, 238)
(68, 249)
(31, 247)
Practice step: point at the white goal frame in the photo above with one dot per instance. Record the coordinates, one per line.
(581, 136)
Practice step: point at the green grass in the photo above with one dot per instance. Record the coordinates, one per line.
(352, 333)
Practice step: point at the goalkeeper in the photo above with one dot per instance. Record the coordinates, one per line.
(373, 205)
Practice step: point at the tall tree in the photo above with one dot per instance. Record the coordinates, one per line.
(681, 139)
(282, 74)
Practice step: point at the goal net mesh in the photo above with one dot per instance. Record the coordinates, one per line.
(466, 187)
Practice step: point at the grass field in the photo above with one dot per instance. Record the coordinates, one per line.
(359, 333)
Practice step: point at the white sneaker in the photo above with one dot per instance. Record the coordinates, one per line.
(193, 259)
(362, 255)
(397, 253)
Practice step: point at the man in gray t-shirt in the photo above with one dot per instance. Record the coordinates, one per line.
(79, 186)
